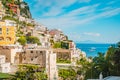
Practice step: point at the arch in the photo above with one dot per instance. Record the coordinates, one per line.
(8, 38)
(1, 38)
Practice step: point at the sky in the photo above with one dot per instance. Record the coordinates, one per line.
(81, 20)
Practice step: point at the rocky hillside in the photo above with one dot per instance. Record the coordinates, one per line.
(21, 6)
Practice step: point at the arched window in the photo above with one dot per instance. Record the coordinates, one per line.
(8, 38)
(1, 38)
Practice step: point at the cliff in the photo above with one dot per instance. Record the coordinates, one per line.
(16, 8)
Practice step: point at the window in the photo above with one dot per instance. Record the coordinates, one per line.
(24, 58)
(0, 18)
(31, 59)
(31, 51)
(8, 38)
(7, 30)
(1, 38)
(0, 30)
(36, 56)
(41, 51)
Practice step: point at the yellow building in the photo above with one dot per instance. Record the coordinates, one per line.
(7, 34)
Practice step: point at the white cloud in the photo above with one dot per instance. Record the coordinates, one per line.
(76, 17)
(92, 34)
(67, 22)
(82, 10)
(53, 12)
(56, 7)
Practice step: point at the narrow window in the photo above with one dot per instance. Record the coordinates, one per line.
(31, 51)
(0, 30)
(7, 31)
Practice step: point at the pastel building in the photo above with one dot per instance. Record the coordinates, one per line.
(4, 67)
(40, 32)
(7, 33)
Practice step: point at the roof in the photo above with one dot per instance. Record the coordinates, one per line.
(112, 78)
(54, 31)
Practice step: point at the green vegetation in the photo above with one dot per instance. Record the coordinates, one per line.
(31, 25)
(32, 39)
(22, 40)
(30, 72)
(19, 33)
(85, 65)
(63, 45)
(57, 45)
(82, 61)
(10, 18)
(63, 61)
(22, 24)
(24, 11)
(5, 76)
(67, 74)
(108, 64)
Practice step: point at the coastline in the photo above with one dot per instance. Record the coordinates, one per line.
(92, 49)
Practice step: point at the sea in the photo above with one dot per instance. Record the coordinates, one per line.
(92, 50)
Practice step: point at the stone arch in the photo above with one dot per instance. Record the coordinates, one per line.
(1, 38)
(8, 38)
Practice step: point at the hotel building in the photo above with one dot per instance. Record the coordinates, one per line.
(7, 32)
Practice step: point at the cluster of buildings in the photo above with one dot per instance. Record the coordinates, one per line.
(44, 55)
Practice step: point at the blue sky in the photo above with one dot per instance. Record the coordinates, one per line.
(81, 20)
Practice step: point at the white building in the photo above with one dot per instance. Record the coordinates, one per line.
(4, 67)
(10, 23)
(29, 20)
(44, 38)
(40, 27)
(21, 18)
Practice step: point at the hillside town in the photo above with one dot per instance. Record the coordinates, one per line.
(25, 41)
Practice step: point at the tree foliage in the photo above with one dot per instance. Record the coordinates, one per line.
(67, 74)
(63, 45)
(33, 40)
(57, 45)
(63, 61)
(29, 72)
(108, 64)
(22, 40)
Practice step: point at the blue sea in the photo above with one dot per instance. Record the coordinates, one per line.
(93, 49)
